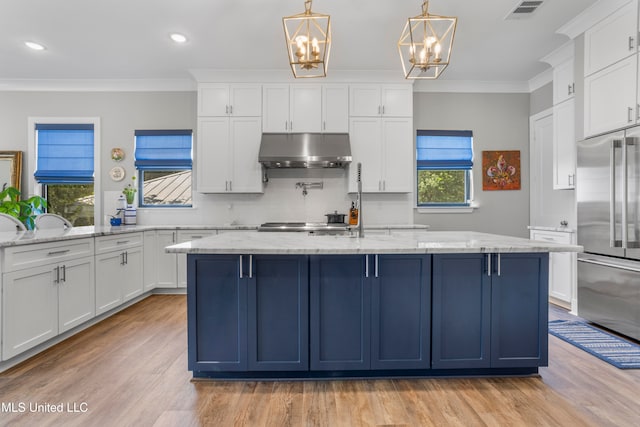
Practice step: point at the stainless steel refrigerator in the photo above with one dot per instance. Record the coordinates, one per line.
(608, 197)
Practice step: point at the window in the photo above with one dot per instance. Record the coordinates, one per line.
(444, 161)
(64, 168)
(163, 159)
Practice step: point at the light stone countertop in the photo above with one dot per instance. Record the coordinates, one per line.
(416, 242)
(8, 238)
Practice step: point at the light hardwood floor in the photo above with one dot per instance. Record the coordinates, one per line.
(131, 370)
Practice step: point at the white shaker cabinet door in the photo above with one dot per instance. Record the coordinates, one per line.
(244, 146)
(612, 39)
(109, 278)
(305, 108)
(335, 108)
(132, 285)
(29, 309)
(213, 155)
(275, 108)
(76, 292)
(564, 145)
(610, 98)
(366, 148)
(397, 155)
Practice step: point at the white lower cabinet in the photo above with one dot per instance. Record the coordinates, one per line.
(119, 274)
(169, 270)
(562, 268)
(167, 264)
(40, 302)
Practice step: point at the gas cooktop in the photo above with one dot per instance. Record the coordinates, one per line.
(304, 226)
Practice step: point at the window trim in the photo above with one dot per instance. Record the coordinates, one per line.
(162, 165)
(444, 207)
(36, 189)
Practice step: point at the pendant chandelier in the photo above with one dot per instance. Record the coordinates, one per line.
(425, 44)
(308, 37)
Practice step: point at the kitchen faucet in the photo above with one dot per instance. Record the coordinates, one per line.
(360, 229)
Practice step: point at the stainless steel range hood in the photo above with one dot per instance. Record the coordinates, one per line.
(305, 150)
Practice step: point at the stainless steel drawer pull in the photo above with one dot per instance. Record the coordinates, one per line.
(241, 274)
(250, 266)
(376, 266)
(366, 266)
(499, 265)
(122, 242)
(488, 264)
(64, 273)
(64, 251)
(57, 279)
(631, 43)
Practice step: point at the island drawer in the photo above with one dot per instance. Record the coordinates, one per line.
(117, 242)
(29, 256)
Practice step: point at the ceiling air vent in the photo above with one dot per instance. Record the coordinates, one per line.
(524, 9)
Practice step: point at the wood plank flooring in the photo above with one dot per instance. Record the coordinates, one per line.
(131, 370)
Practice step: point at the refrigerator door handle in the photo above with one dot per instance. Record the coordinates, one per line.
(612, 194)
(625, 144)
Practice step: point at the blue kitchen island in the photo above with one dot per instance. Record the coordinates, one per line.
(422, 304)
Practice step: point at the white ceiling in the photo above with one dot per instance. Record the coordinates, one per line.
(128, 39)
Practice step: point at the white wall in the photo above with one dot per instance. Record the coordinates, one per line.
(498, 122)
(121, 113)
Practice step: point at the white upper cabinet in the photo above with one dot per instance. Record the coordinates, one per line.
(612, 39)
(610, 98)
(293, 108)
(227, 155)
(241, 100)
(305, 108)
(335, 108)
(384, 146)
(381, 100)
(564, 145)
(564, 86)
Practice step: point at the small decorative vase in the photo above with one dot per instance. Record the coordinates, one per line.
(130, 215)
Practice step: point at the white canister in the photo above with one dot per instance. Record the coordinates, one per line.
(130, 215)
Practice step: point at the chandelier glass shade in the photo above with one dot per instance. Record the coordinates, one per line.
(425, 44)
(308, 38)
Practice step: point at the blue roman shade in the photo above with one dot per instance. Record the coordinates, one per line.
(64, 153)
(444, 150)
(163, 149)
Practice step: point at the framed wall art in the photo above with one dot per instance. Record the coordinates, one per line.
(10, 169)
(501, 170)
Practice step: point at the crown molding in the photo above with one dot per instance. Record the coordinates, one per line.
(541, 79)
(470, 86)
(98, 85)
(560, 55)
(590, 16)
(285, 76)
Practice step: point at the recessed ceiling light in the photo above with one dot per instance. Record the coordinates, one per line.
(34, 45)
(178, 38)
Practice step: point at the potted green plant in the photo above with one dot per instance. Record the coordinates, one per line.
(25, 210)
(130, 191)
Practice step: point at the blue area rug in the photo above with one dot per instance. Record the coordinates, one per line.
(614, 350)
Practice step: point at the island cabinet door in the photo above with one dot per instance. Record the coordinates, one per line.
(340, 312)
(278, 313)
(216, 313)
(401, 312)
(461, 311)
(519, 324)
